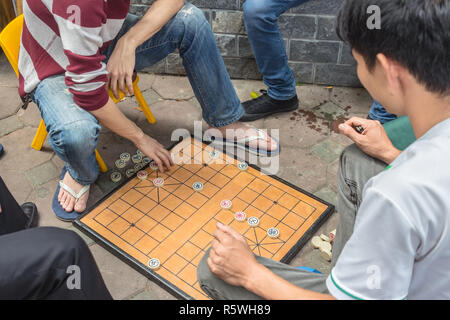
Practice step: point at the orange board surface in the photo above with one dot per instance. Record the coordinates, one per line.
(175, 224)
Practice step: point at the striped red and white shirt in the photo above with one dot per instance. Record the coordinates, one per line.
(67, 37)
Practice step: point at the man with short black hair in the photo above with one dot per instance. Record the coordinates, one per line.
(393, 238)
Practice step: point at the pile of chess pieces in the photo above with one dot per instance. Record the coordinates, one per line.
(323, 243)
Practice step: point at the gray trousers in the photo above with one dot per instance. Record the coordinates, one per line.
(355, 169)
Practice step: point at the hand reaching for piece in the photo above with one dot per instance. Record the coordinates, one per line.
(153, 149)
(230, 257)
(373, 140)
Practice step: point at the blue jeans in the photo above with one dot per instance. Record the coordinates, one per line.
(378, 112)
(73, 132)
(261, 17)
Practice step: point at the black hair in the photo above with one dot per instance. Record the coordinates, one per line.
(415, 33)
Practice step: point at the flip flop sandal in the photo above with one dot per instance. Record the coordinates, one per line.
(243, 143)
(56, 206)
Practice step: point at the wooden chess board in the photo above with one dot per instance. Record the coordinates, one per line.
(175, 224)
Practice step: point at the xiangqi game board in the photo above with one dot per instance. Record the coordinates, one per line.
(174, 223)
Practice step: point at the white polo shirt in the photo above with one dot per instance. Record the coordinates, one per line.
(400, 248)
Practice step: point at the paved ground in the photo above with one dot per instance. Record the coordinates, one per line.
(309, 158)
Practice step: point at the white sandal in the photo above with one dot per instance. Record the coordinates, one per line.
(243, 143)
(78, 195)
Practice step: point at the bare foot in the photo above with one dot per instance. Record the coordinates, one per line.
(242, 130)
(67, 201)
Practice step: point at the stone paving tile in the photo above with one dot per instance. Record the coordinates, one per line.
(18, 153)
(302, 169)
(173, 88)
(294, 131)
(195, 102)
(352, 100)
(146, 80)
(43, 197)
(143, 295)
(158, 292)
(9, 101)
(121, 280)
(130, 108)
(153, 292)
(150, 96)
(43, 173)
(168, 119)
(9, 125)
(312, 96)
(340, 139)
(8, 77)
(30, 117)
(58, 162)
(17, 183)
(327, 150)
(328, 195)
(245, 87)
(329, 111)
(309, 256)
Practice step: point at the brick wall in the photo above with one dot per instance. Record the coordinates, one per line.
(315, 53)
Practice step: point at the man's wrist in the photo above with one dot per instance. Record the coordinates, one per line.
(390, 155)
(253, 277)
(137, 137)
(129, 42)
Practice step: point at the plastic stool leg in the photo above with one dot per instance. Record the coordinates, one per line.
(101, 163)
(39, 137)
(144, 106)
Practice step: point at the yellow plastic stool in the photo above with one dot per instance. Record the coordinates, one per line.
(10, 43)
(140, 99)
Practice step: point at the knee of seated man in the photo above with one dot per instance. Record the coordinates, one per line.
(192, 17)
(256, 10)
(78, 137)
(352, 160)
(57, 242)
(204, 275)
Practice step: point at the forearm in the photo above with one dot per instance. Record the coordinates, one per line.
(270, 286)
(156, 17)
(111, 117)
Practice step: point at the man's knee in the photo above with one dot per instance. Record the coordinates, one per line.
(192, 17)
(76, 138)
(256, 11)
(351, 154)
(203, 273)
(62, 240)
(207, 279)
(349, 162)
(357, 166)
(58, 246)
